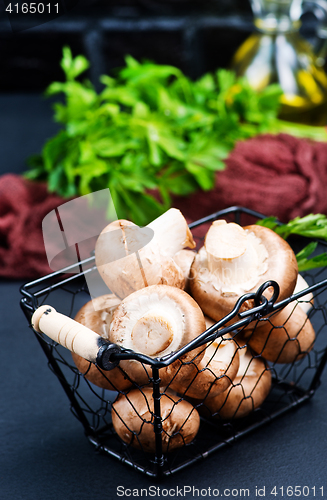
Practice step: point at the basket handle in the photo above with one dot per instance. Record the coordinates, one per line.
(75, 337)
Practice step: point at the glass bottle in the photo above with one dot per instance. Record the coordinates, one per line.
(276, 53)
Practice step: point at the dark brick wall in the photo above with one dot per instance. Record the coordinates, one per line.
(197, 36)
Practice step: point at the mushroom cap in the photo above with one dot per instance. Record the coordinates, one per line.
(133, 420)
(248, 391)
(157, 321)
(283, 337)
(123, 270)
(281, 267)
(129, 258)
(98, 312)
(213, 374)
(97, 315)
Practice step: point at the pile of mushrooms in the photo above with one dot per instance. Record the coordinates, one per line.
(164, 295)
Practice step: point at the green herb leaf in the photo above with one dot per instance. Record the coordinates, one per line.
(150, 128)
(311, 226)
(305, 263)
(270, 222)
(73, 67)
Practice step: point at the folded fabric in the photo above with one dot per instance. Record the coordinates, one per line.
(23, 205)
(277, 175)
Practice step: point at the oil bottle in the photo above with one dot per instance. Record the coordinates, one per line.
(277, 53)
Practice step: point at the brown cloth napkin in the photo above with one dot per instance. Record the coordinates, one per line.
(23, 205)
(277, 175)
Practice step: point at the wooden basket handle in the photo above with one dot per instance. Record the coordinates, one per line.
(75, 337)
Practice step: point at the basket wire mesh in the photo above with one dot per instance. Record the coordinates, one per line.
(291, 383)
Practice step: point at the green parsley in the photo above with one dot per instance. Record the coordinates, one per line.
(310, 226)
(150, 133)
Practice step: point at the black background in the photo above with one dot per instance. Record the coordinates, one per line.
(44, 453)
(195, 35)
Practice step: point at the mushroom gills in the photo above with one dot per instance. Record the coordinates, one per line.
(235, 257)
(151, 326)
(157, 321)
(235, 261)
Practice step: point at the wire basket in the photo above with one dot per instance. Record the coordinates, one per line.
(291, 383)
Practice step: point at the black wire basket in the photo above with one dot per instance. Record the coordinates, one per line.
(171, 450)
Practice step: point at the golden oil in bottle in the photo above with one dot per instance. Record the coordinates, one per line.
(276, 53)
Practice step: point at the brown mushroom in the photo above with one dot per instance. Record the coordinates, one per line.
(235, 261)
(184, 259)
(209, 322)
(133, 420)
(129, 258)
(213, 374)
(283, 337)
(97, 315)
(306, 302)
(157, 321)
(248, 391)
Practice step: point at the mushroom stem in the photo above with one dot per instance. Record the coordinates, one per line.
(257, 255)
(152, 334)
(184, 259)
(234, 255)
(156, 321)
(305, 302)
(128, 259)
(171, 232)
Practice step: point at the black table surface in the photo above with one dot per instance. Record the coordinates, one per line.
(44, 453)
